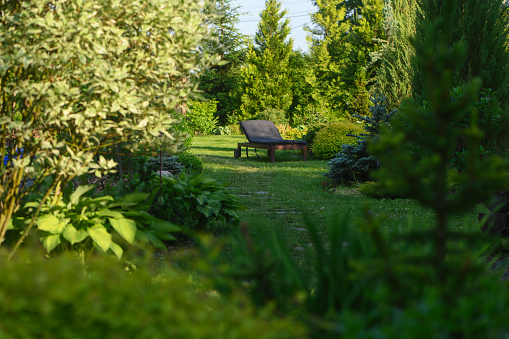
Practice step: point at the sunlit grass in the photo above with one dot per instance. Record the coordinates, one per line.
(279, 195)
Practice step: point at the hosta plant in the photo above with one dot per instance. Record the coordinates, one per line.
(81, 224)
(195, 202)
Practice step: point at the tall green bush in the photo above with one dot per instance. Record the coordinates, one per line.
(329, 140)
(76, 76)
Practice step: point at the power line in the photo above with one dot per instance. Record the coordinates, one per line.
(286, 17)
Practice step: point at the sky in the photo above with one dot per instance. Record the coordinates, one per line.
(298, 13)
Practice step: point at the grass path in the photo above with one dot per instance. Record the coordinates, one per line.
(279, 195)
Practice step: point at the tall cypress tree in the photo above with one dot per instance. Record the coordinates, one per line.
(266, 80)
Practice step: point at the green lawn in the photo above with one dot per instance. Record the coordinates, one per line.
(279, 195)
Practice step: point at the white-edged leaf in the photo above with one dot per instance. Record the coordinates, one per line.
(50, 242)
(125, 227)
(73, 235)
(100, 236)
(50, 223)
(117, 250)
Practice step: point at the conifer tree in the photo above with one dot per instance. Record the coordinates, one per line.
(265, 77)
(329, 50)
(483, 26)
(394, 72)
(365, 36)
(221, 81)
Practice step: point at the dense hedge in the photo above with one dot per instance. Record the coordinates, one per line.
(327, 142)
(59, 298)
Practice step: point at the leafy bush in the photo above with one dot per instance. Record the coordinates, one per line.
(79, 224)
(192, 164)
(277, 116)
(328, 141)
(295, 133)
(235, 129)
(353, 163)
(81, 80)
(195, 202)
(202, 119)
(105, 301)
(311, 132)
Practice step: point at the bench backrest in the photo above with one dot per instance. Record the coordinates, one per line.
(260, 130)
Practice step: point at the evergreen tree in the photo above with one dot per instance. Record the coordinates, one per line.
(365, 37)
(394, 74)
(483, 27)
(329, 50)
(265, 77)
(221, 81)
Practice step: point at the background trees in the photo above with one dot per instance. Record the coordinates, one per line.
(483, 27)
(265, 76)
(221, 81)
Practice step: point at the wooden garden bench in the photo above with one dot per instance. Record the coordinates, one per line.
(264, 134)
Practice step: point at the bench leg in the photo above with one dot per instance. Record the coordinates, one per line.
(272, 152)
(247, 153)
(305, 153)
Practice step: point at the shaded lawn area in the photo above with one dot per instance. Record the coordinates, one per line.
(279, 195)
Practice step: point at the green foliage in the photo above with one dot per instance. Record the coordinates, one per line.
(195, 202)
(329, 140)
(353, 163)
(104, 301)
(394, 73)
(277, 116)
(494, 122)
(202, 116)
(376, 190)
(345, 33)
(437, 131)
(265, 77)
(311, 134)
(483, 28)
(221, 81)
(362, 284)
(295, 133)
(359, 101)
(422, 279)
(82, 78)
(79, 224)
(192, 164)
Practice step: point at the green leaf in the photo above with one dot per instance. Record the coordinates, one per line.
(125, 227)
(50, 223)
(117, 250)
(205, 210)
(216, 207)
(109, 213)
(154, 240)
(75, 196)
(73, 235)
(50, 242)
(100, 236)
